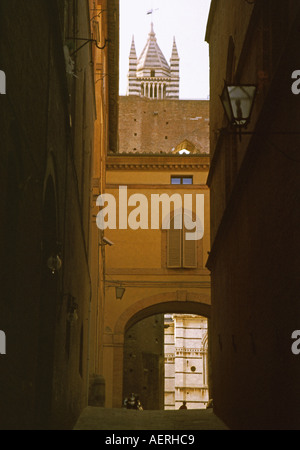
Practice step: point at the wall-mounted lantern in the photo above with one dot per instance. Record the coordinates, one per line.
(54, 264)
(238, 101)
(120, 291)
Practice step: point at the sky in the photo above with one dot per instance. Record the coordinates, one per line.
(186, 20)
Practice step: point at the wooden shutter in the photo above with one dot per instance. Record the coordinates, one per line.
(189, 252)
(174, 247)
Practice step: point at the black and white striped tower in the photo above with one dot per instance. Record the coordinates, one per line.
(150, 75)
(173, 88)
(134, 87)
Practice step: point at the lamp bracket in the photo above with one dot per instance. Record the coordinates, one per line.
(86, 42)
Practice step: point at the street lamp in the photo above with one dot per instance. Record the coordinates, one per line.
(120, 291)
(54, 263)
(238, 101)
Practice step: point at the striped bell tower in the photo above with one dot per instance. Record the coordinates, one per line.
(150, 75)
(173, 88)
(133, 84)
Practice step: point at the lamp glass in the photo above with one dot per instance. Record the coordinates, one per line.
(238, 103)
(226, 104)
(120, 291)
(241, 101)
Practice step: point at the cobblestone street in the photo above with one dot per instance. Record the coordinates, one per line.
(123, 419)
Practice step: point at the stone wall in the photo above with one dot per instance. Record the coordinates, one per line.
(154, 126)
(143, 362)
(47, 127)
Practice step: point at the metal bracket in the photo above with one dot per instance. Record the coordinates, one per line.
(86, 42)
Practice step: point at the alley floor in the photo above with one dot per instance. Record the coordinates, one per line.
(122, 419)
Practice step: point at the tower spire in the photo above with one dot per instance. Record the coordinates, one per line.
(133, 87)
(152, 33)
(132, 49)
(174, 50)
(150, 75)
(173, 90)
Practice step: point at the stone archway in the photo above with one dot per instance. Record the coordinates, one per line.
(180, 301)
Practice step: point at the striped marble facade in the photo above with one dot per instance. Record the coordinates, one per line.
(150, 75)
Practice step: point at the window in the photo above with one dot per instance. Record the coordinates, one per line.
(182, 180)
(181, 252)
(152, 73)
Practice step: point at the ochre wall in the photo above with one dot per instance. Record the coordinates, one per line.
(138, 261)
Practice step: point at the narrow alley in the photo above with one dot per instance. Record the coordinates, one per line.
(149, 215)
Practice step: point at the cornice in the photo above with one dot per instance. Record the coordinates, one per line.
(155, 162)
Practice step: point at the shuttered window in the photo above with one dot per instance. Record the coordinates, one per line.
(181, 253)
(189, 253)
(174, 247)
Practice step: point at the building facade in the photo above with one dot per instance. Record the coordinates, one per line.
(47, 142)
(254, 185)
(186, 361)
(159, 270)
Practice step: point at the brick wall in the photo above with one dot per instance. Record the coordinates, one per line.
(160, 125)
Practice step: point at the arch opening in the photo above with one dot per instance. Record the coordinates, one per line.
(166, 357)
(175, 306)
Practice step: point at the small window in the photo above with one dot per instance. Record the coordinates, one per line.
(182, 180)
(152, 73)
(187, 180)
